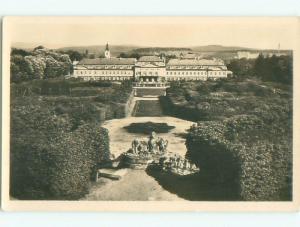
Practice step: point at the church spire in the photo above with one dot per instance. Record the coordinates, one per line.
(107, 51)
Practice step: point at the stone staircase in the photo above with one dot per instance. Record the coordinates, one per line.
(144, 92)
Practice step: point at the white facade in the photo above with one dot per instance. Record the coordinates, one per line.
(103, 74)
(149, 69)
(201, 69)
(105, 69)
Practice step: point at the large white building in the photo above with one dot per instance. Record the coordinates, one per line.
(105, 69)
(195, 69)
(149, 69)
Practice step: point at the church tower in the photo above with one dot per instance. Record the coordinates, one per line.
(107, 52)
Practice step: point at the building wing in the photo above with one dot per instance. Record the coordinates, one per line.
(107, 61)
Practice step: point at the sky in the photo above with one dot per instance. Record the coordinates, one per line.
(55, 32)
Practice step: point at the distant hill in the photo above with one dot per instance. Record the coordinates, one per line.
(31, 46)
(219, 48)
(160, 49)
(219, 51)
(117, 49)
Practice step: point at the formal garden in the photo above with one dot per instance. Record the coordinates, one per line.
(243, 134)
(62, 133)
(237, 130)
(57, 140)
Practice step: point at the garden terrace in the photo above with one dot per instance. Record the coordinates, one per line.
(215, 100)
(246, 138)
(56, 137)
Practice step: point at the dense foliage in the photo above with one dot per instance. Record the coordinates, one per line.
(246, 138)
(214, 100)
(109, 100)
(53, 155)
(247, 152)
(74, 55)
(242, 68)
(130, 55)
(71, 87)
(40, 63)
(56, 135)
(275, 68)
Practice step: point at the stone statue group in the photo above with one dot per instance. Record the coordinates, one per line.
(155, 150)
(154, 145)
(176, 162)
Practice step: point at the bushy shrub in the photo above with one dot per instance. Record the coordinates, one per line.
(248, 152)
(247, 137)
(50, 158)
(40, 63)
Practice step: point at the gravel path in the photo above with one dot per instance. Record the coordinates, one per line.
(137, 185)
(120, 139)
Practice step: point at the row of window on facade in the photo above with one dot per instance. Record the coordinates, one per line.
(186, 78)
(130, 77)
(84, 72)
(111, 67)
(147, 73)
(107, 78)
(220, 73)
(194, 67)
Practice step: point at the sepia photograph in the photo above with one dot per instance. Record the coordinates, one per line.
(149, 113)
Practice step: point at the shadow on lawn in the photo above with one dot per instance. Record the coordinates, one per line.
(148, 127)
(201, 186)
(181, 135)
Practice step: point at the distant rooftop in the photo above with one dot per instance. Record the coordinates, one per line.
(107, 61)
(150, 58)
(195, 62)
(190, 56)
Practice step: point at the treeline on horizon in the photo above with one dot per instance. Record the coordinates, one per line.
(274, 68)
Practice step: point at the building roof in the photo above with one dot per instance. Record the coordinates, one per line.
(150, 58)
(189, 56)
(195, 62)
(107, 61)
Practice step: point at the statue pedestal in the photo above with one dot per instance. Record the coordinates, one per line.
(135, 161)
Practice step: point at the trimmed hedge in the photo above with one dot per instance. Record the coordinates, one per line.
(50, 158)
(245, 137)
(222, 99)
(97, 100)
(244, 151)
